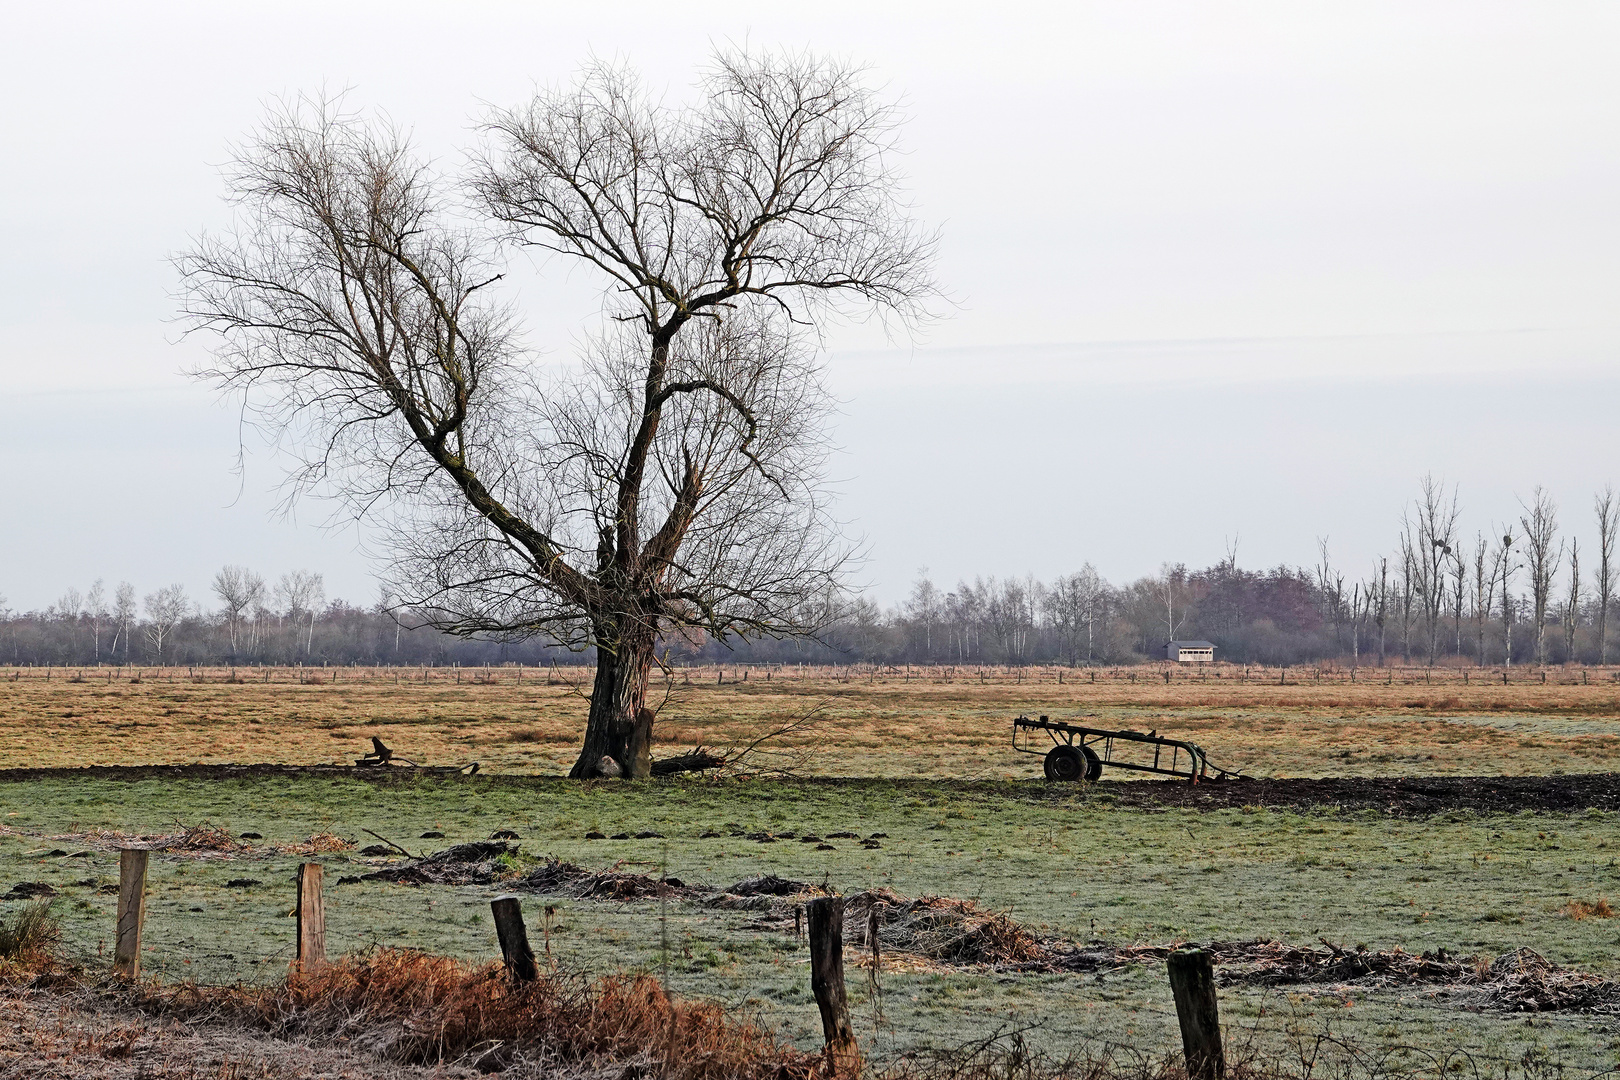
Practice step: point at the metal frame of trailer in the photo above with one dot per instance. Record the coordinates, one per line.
(1076, 752)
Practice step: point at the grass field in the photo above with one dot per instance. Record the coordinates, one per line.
(879, 725)
(925, 762)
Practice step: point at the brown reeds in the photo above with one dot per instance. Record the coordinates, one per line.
(29, 937)
(1589, 909)
(414, 1008)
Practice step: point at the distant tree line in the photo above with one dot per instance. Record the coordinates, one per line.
(244, 620)
(1523, 592)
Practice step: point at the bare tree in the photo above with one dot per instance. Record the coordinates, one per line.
(675, 479)
(124, 616)
(1432, 528)
(1071, 606)
(1504, 562)
(68, 609)
(1171, 583)
(1330, 584)
(923, 608)
(1409, 590)
(301, 593)
(1459, 591)
(1361, 598)
(165, 609)
(1608, 515)
(95, 608)
(1378, 587)
(1484, 594)
(1571, 614)
(1540, 524)
(239, 589)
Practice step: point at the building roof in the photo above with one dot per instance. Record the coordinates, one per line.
(1193, 644)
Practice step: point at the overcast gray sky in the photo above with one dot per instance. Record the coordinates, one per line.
(1221, 269)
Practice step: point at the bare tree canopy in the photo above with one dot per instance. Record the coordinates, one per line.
(1539, 523)
(675, 478)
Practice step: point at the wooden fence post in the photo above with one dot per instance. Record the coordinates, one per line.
(514, 938)
(1192, 982)
(826, 918)
(311, 918)
(131, 912)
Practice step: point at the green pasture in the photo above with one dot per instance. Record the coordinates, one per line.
(1063, 862)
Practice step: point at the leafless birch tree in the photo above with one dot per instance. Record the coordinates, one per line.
(164, 611)
(124, 612)
(95, 608)
(301, 593)
(239, 589)
(675, 478)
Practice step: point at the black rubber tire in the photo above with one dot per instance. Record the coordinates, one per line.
(1065, 763)
(1093, 765)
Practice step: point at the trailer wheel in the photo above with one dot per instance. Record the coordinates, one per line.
(1093, 764)
(1065, 763)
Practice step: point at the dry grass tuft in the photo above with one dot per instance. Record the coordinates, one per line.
(1589, 909)
(414, 1008)
(29, 938)
(318, 844)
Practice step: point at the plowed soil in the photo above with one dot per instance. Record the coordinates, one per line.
(1409, 796)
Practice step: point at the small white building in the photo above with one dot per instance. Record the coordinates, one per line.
(1190, 652)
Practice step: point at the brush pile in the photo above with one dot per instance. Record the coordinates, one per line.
(940, 928)
(1271, 963)
(1519, 981)
(557, 876)
(461, 864)
(1524, 981)
(487, 862)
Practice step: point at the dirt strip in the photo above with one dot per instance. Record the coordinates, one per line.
(1419, 796)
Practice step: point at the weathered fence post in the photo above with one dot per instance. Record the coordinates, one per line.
(131, 912)
(514, 938)
(311, 918)
(1192, 982)
(826, 918)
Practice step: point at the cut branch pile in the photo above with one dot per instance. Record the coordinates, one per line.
(940, 928)
(1524, 981)
(461, 864)
(557, 876)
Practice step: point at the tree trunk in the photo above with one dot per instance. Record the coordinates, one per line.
(619, 725)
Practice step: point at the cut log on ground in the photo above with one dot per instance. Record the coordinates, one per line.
(694, 761)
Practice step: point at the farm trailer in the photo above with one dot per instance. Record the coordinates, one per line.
(1075, 752)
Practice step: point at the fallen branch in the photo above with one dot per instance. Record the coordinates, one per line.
(389, 842)
(691, 761)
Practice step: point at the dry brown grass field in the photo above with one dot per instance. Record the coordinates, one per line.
(867, 722)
